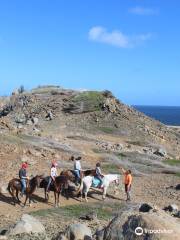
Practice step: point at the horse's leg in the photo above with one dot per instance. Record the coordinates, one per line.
(54, 199)
(104, 193)
(81, 195)
(29, 200)
(46, 195)
(26, 199)
(14, 199)
(17, 196)
(67, 194)
(86, 192)
(86, 196)
(58, 199)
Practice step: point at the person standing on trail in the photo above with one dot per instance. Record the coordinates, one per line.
(127, 182)
(23, 177)
(98, 174)
(77, 168)
(53, 175)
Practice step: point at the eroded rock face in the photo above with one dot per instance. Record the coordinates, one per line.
(143, 226)
(27, 224)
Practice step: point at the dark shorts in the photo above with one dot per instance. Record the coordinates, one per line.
(126, 188)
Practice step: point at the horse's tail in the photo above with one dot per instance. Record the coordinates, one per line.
(80, 188)
(66, 184)
(9, 188)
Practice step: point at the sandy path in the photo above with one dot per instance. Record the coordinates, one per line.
(152, 188)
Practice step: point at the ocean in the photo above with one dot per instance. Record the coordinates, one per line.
(166, 115)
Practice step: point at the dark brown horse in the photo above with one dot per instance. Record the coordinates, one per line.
(14, 187)
(72, 177)
(60, 184)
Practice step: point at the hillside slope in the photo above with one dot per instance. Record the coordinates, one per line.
(93, 124)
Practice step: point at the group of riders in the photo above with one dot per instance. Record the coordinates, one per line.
(77, 169)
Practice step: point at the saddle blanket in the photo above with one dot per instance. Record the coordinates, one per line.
(95, 182)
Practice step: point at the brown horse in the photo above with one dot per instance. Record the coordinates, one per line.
(14, 187)
(72, 177)
(70, 174)
(60, 184)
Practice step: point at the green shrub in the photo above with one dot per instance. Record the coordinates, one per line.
(172, 162)
(108, 130)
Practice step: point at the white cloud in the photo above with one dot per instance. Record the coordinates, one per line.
(116, 38)
(143, 11)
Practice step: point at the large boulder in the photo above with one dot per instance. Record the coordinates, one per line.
(141, 226)
(26, 225)
(76, 231)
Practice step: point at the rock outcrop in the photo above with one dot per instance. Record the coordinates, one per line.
(75, 232)
(27, 224)
(141, 226)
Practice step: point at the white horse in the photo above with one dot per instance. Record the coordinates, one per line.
(87, 183)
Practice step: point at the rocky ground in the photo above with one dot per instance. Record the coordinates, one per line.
(52, 123)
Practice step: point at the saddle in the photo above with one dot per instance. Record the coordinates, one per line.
(96, 182)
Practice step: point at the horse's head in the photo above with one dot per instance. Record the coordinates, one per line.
(38, 179)
(117, 182)
(115, 179)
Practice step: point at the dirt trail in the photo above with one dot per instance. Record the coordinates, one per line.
(150, 188)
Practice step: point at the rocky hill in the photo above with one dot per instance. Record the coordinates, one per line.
(50, 123)
(58, 121)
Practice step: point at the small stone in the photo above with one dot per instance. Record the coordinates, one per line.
(171, 208)
(177, 187)
(145, 207)
(89, 216)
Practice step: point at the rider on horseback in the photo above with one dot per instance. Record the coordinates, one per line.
(53, 174)
(98, 174)
(23, 177)
(77, 168)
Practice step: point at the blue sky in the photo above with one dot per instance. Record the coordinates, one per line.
(130, 47)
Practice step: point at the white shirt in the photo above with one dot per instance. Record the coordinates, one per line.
(98, 171)
(77, 165)
(53, 172)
